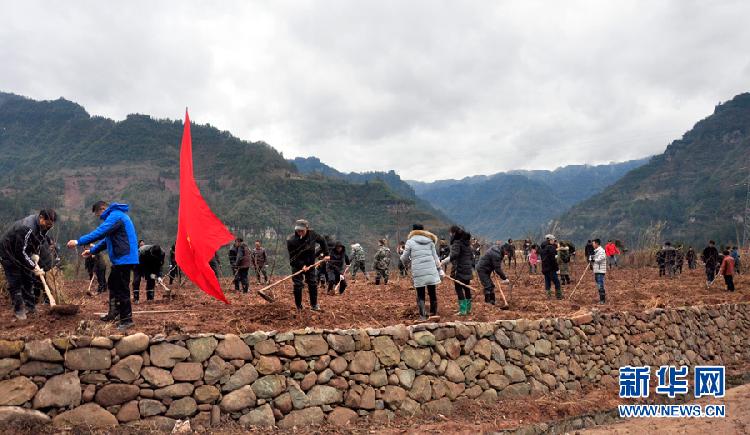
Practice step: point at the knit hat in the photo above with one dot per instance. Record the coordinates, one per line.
(549, 237)
(301, 224)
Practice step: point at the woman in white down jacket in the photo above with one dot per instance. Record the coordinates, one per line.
(425, 267)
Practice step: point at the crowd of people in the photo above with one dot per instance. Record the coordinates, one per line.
(724, 262)
(316, 260)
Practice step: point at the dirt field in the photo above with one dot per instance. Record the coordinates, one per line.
(737, 421)
(367, 305)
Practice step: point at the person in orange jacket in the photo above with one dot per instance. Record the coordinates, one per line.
(727, 270)
(612, 252)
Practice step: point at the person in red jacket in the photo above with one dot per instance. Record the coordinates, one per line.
(612, 252)
(727, 270)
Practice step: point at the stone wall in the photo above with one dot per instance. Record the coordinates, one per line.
(309, 376)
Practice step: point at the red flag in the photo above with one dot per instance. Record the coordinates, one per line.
(199, 232)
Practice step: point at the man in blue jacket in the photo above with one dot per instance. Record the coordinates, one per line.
(117, 234)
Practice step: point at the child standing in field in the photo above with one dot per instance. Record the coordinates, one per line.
(533, 259)
(727, 270)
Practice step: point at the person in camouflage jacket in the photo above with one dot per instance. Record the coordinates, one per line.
(358, 261)
(382, 262)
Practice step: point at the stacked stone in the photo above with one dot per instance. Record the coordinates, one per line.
(308, 377)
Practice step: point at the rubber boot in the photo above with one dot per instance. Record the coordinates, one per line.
(490, 298)
(468, 307)
(433, 309)
(461, 307)
(112, 313)
(422, 309)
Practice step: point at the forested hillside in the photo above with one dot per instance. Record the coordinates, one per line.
(53, 153)
(693, 192)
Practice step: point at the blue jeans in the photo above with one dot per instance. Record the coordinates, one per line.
(599, 278)
(549, 278)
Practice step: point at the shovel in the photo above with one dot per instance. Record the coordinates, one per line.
(63, 309)
(500, 288)
(88, 290)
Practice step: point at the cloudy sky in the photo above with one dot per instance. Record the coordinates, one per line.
(432, 89)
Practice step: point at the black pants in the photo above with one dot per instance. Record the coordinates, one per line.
(433, 298)
(564, 278)
(321, 275)
(710, 272)
(139, 273)
(550, 278)
(20, 286)
(101, 279)
(485, 277)
(119, 290)
(241, 278)
(461, 291)
(174, 273)
(729, 280)
(298, 283)
(333, 278)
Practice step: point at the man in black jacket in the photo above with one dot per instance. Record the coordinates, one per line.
(335, 268)
(301, 247)
(24, 239)
(710, 256)
(95, 265)
(150, 263)
(260, 259)
(510, 251)
(588, 250)
(233, 259)
(242, 265)
(548, 253)
(174, 269)
(491, 261)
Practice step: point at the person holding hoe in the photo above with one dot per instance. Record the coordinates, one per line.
(301, 247)
(461, 258)
(19, 247)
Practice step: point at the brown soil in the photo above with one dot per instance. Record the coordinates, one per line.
(367, 305)
(737, 420)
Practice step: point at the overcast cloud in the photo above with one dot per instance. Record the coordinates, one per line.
(431, 89)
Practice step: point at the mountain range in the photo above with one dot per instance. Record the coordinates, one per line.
(519, 203)
(696, 190)
(54, 154)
